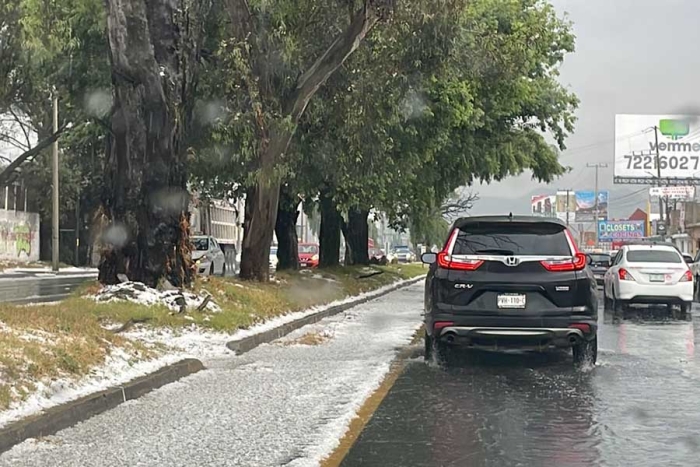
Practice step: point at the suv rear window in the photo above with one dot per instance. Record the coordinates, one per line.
(653, 256)
(512, 239)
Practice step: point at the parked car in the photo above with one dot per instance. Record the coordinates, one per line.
(599, 264)
(273, 257)
(403, 254)
(208, 256)
(308, 255)
(648, 274)
(510, 281)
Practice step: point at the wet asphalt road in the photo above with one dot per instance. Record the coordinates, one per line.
(29, 288)
(639, 406)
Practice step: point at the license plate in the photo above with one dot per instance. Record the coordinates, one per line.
(598, 276)
(303, 265)
(657, 278)
(511, 301)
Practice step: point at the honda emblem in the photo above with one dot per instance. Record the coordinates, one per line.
(512, 261)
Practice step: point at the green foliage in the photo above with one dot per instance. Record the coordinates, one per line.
(445, 94)
(437, 101)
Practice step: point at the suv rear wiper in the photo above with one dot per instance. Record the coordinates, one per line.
(495, 251)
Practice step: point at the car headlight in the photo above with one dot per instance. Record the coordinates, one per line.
(314, 258)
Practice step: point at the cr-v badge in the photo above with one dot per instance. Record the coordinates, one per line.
(464, 286)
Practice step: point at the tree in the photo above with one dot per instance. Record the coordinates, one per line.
(286, 229)
(54, 50)
(279, 82)
(155, 61)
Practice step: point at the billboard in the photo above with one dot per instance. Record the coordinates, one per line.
(586, 205)
(636, 149)
(544, 205)
(612, 231)
(673, 192)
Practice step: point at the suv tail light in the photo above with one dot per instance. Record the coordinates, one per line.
(577, 263)
(625, 275)
(687, 276)
(448, 262)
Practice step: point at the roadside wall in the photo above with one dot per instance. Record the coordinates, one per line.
(19, 236)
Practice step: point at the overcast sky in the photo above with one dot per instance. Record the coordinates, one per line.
(632, 56)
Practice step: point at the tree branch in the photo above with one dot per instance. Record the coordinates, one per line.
(341, 48)
(9, 170)
(241, 18)
(453, 207)
(21, 126)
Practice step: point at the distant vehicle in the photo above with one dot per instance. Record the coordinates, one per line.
(273, 257)
(403, 254)
(218, 219)
(208, 256)
(649, 274)
(599, 264)
(510, 281)
(308, 255)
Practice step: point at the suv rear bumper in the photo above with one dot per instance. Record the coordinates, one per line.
(523, 333)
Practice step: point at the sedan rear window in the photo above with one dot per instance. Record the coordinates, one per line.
(653, 256)
(543, 239)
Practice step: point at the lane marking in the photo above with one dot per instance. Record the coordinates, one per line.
(371, 404)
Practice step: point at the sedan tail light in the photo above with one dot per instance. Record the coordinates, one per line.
(687, 276)
(625, 275)
(577, 263)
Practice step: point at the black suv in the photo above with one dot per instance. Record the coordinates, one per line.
(510, 281)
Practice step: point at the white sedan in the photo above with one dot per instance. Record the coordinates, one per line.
(208, 256)
(648, 274)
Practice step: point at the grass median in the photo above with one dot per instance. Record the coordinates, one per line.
(65, 341)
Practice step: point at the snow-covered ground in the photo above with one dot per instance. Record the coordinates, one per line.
(120, 368)
(283, 403)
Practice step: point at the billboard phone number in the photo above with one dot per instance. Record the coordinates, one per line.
(665, 162)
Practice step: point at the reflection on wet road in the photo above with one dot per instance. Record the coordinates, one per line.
(40, 289)
(639, 406)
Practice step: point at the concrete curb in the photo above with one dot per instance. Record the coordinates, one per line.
(66, 415)
(247, 344)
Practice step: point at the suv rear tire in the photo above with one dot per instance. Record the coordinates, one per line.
(686, 307)
(434, 348)
(586, 352)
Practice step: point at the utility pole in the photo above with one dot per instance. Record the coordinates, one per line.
(658, 175)
(597, 210)
(54, 192)
(566, 204)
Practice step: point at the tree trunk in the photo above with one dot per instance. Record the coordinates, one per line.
(146, 200)
(286, 230)
(330, 232)
(347, 260)
(260, 216)
(358, 235)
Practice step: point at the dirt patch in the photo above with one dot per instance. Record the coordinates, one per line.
(311, 338)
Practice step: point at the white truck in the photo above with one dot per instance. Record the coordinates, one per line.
(223, 221)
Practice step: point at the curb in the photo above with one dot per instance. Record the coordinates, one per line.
(247, 344)
(66, 415)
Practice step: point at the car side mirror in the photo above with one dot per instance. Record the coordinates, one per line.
(589, 260)
(428, 258)
(688, 259)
